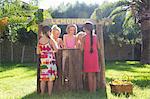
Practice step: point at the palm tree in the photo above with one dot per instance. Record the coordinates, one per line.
(140, 11)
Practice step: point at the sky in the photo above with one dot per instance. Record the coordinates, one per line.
(45, 4)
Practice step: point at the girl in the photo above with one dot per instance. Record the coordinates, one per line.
(79, 37)
(70, 39)
(69, 43)
(90, 45)
(48, 69)
(55, 36)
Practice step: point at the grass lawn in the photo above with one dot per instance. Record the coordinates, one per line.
(19, 81)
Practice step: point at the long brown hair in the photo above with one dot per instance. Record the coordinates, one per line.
(45, 30)
(89, 27)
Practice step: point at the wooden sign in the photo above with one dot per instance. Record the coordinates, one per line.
(65, 21)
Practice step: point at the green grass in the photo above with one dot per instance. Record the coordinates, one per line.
(137, 73)
(19, 81)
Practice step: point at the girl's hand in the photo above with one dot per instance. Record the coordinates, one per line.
(61, 45)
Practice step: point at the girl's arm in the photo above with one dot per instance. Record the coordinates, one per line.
(76, 43)
(61, 45)
(82, 43)
(53, 45)
(64, 39)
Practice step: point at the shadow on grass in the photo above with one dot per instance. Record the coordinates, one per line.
(141, 79)
(99, 94)
(142, 83)
(124, 66)
(9, 66)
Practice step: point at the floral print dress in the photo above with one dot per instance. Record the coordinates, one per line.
(48, 68)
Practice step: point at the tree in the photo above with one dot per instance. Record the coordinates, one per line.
(117, 32)
(103, 12)
(26, 39)
(19, 14)
(76, 10)
(140, 12)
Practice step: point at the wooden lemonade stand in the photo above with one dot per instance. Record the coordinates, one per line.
(71, 78)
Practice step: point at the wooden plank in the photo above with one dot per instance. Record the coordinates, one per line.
(65, 21)
(71, 77)
(57, 82)
(101, 80)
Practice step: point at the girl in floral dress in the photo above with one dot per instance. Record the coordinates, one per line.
(48, 68)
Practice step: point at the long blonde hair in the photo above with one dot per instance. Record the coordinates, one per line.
(55, 27)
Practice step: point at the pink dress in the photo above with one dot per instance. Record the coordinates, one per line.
(70, 43)
(91, 63)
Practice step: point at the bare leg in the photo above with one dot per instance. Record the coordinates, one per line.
(42, 85)
(50, 87)
(90, 81)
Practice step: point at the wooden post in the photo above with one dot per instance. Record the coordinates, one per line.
(38, 61)
(102, 82)
(38, 73)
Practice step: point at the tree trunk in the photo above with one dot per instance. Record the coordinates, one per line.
(22, 56)
(132, 51)
(34, 55)
(145, 50)
(119, 53)
(12, 52)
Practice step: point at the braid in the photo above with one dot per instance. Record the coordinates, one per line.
(89, 27)
(91, 42)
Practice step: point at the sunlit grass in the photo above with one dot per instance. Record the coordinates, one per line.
(19, 81)
(133, 71)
